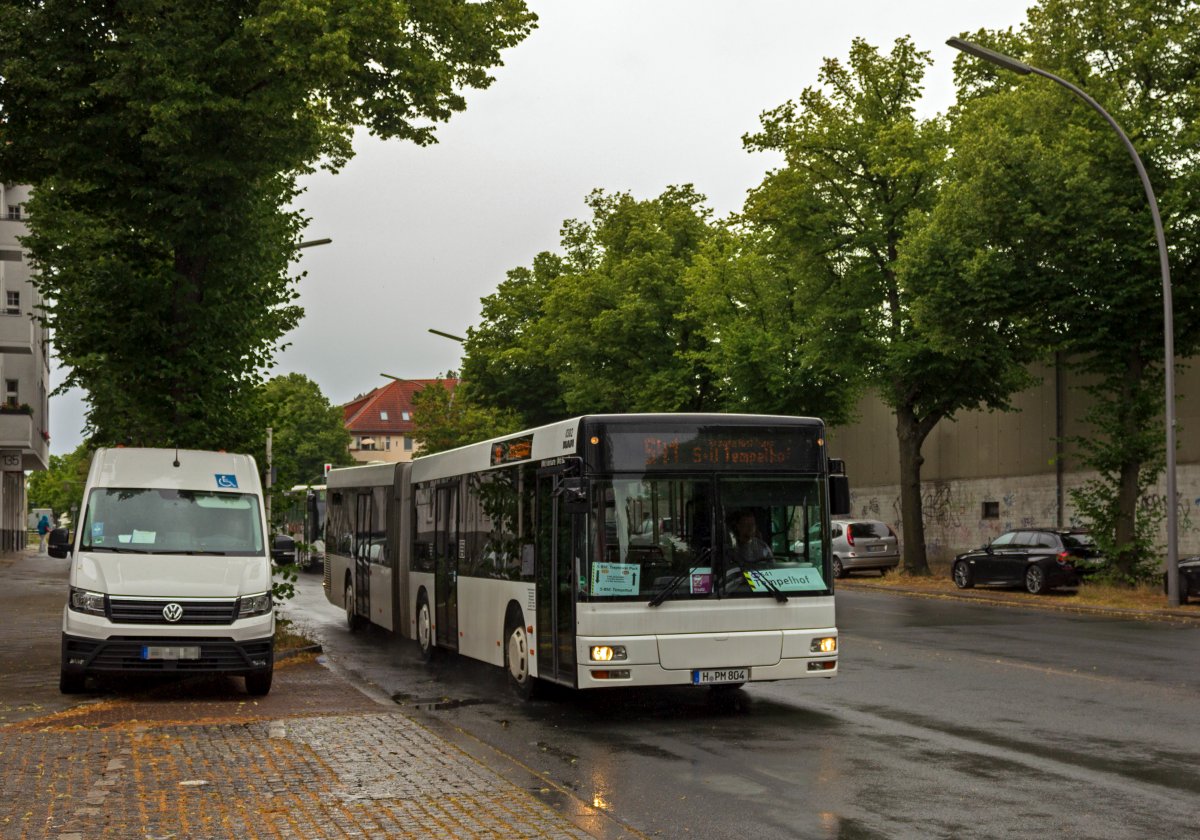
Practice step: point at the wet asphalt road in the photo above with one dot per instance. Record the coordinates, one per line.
(948, 719)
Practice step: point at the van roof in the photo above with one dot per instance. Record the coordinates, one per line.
(197, 470)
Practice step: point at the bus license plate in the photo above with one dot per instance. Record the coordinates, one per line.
(163, 652)
(720, 676)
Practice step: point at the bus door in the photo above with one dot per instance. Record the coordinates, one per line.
(560, 536)
(446, 552)
(362, 554)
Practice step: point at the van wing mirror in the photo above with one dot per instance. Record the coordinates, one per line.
(58, 543)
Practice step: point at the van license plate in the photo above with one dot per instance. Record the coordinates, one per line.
(161, 652)
(720, 676)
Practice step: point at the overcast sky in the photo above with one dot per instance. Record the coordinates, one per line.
(623, 95)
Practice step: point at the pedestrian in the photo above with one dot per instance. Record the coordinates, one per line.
(43, 528)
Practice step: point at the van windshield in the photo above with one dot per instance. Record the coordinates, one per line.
(162, 521)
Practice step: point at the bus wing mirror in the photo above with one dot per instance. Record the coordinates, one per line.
(839, 495)
(573, 492)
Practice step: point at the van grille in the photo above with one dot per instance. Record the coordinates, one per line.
(150, 610)
(125, 654)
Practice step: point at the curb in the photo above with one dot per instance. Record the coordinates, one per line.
(1181, 616)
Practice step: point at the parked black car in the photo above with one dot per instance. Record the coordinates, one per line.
(1189, 578)
(1036, 558)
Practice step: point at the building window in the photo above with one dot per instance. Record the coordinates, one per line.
(14, 212)
(11, 397)
(387, 443)
(12, 303)
(407, 444)
(991, 510)
(383, 415)
(404, 415)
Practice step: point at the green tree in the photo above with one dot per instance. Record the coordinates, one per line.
(1062, 217)
(163, 140)
(307, 433)
(861, 175)
(60, 486)
(445, 419)
(618, 331)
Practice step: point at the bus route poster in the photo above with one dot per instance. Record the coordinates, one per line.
(615, 578)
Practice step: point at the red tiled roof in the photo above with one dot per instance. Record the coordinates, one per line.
(362, 414)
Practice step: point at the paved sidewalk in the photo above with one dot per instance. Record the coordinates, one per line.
(167, 763)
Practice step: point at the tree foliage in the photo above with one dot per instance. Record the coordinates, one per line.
(1057, 213)
(60, 486)
(163, 140)
(445, 419)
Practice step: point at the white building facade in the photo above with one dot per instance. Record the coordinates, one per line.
(24, 372)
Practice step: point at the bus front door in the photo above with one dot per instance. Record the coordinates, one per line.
(446, 556)
(558, 536)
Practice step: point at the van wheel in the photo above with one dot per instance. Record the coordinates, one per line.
(516, 660)
(425, 628)
(257, 685)
(353, 620)
(70, 683)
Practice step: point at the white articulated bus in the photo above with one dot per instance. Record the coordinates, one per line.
(601, 551)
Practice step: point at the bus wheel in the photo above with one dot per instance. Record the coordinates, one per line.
(516, 660)
(353, 620)
(424, 628)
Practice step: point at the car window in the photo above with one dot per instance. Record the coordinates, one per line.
(1004, 539)
(1078, 541)
(836, 530)
(1024, 539)
(868, 529)
(1045, 540)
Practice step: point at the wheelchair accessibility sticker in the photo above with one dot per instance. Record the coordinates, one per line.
(226, 481)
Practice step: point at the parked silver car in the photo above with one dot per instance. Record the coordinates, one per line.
(861, 545)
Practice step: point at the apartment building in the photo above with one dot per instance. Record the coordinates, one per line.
(380, 421)
(24, 371)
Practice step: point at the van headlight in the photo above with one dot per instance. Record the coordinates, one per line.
(83, 601)
(252, 605)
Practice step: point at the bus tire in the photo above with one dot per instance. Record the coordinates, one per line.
(425, 627)
(516, 658)
(354, 621)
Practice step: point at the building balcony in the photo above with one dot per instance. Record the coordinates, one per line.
(21, 438)
(17, 334)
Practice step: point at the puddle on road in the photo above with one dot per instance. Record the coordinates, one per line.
(439, 705)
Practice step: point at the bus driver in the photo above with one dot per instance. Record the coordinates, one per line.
(748, 548)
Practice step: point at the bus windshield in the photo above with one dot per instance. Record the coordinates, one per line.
(162, 521)
(703, 538)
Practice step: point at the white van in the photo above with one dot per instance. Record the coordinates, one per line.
(170, 571)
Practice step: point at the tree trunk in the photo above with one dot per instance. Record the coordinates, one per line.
(1131, 467)
(911, 433)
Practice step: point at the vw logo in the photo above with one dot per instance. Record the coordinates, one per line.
(172, 612)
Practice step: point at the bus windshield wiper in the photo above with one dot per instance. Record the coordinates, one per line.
(670, 587)
(766, 582)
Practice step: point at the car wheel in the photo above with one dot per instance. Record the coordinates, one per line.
(1183, 593)
(425, 628)
(838, 570)
(1035, 580)
(70, 683)
(883, 572)
(353, 620)
(258, 685)
(963, 578)
(516, 660)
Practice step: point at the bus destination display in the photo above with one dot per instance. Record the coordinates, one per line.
(760, 449)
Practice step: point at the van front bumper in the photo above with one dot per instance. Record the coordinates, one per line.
(128, 654)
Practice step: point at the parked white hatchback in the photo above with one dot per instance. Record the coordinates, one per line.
(860, 545)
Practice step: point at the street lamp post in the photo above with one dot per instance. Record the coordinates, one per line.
(1021, 67)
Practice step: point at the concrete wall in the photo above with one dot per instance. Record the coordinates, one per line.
(1009, 458)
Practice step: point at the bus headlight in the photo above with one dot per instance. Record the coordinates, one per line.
(827, 644)
(84, 601)
(605, 653)
(252, 605)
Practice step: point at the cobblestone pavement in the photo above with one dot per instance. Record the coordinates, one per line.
(170, 764)
(199, 759)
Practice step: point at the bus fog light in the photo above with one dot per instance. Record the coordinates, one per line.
(826, 645)
(619, 674)
(605, 653)
(822, 666)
